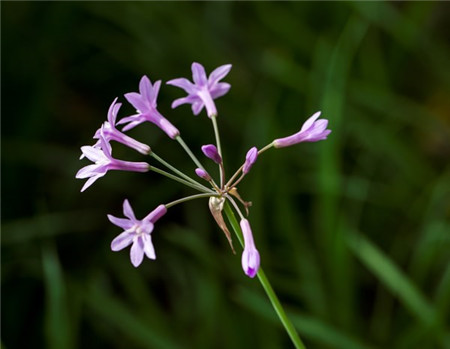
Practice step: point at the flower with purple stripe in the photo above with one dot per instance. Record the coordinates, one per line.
(204, 90)
(104, 162)
(136, 232)
(313, 130)
(145, 104)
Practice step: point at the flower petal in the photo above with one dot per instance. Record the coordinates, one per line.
(137, 251)
(136, 101)
(183, 83)
(122, 240)
(197, 107)
(148, 246)
(218, 74)
(154, 93)
(145, 89)
(91, 181)
(199, 74)
(124, 223)
(220, 89)
(128, 211)
(93, 154)
(308, 123)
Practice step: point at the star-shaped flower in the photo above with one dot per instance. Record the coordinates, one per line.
(204, 90)
(145, 104)
(136, 232)
(103, 162)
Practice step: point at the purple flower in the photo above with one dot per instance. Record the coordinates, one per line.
(110, 132)
(211, 152)
(250, 159)
(204, 90)
(311, 131)
(203, 174)
(136, 232)
(145, 104)
(103, 162)
(250, 256)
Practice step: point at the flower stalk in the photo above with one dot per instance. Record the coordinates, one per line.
(288, 326)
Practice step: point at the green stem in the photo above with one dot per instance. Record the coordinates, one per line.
(174, 169)
(180, 180)
(188, 151)
(289, 327)
(219, 149)
(188, 198)
(192, 156)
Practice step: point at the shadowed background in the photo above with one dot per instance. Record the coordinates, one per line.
(352, 231)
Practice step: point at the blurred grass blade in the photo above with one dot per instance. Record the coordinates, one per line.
(115, 313)
(392, 277)
(312, 328)
(58, 331)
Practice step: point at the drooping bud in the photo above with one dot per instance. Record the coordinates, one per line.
(250, 159)
(203, 174)
(250, 256)
(211, 152)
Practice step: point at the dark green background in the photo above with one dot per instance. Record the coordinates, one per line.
(354, 231)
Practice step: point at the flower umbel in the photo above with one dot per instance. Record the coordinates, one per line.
(137, 232)
(222, 195)
(204, 90)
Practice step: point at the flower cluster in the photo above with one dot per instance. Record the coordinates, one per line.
(201, 93)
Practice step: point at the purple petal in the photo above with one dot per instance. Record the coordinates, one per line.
(128, 211)
(112, 111)
(93, 154)
(124, 223)
(122, 240)
(91, 181)
(197, 107)
(183, 83)
(218, 74)
(154, 93)
(145, 88)
(220, 89)
(148, 246)
(132, 125)
(308, 123)
(199, 74)
(180, 101)
(136, 101)
(202, 174)
(137, 252)
(87, 171)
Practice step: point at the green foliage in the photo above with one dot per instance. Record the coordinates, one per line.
(354, 232)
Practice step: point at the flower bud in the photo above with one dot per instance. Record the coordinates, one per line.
(211, 152)
(203, 174)
(250, 159)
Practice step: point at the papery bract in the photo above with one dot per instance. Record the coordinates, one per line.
(145, 104)
(311, 131)
(137, 232)
(204, 90)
